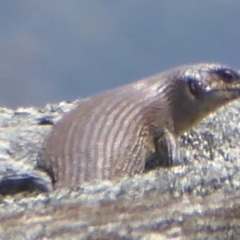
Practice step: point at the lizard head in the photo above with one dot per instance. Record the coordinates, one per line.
(203, 88)
(214, 82)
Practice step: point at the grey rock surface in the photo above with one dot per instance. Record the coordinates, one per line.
(199, 199)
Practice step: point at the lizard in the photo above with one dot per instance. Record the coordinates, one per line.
(119, 132)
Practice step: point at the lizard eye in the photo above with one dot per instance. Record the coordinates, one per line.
(227, 75)
(194, 87)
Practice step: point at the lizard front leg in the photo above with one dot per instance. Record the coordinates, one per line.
(167, 151)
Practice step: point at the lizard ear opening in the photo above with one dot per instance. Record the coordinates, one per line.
(194, 87)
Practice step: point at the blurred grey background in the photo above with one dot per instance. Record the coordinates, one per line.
(52, 50)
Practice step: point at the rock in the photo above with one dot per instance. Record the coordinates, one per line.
(197, 200)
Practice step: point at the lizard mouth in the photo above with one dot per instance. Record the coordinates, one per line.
(227, 93)
(227, 89)
(231, 92)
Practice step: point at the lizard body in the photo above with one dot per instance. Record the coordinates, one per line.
(118, 132)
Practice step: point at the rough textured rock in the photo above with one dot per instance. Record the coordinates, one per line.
(198, 200)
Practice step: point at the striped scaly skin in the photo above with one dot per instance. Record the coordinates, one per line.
(120, 132)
